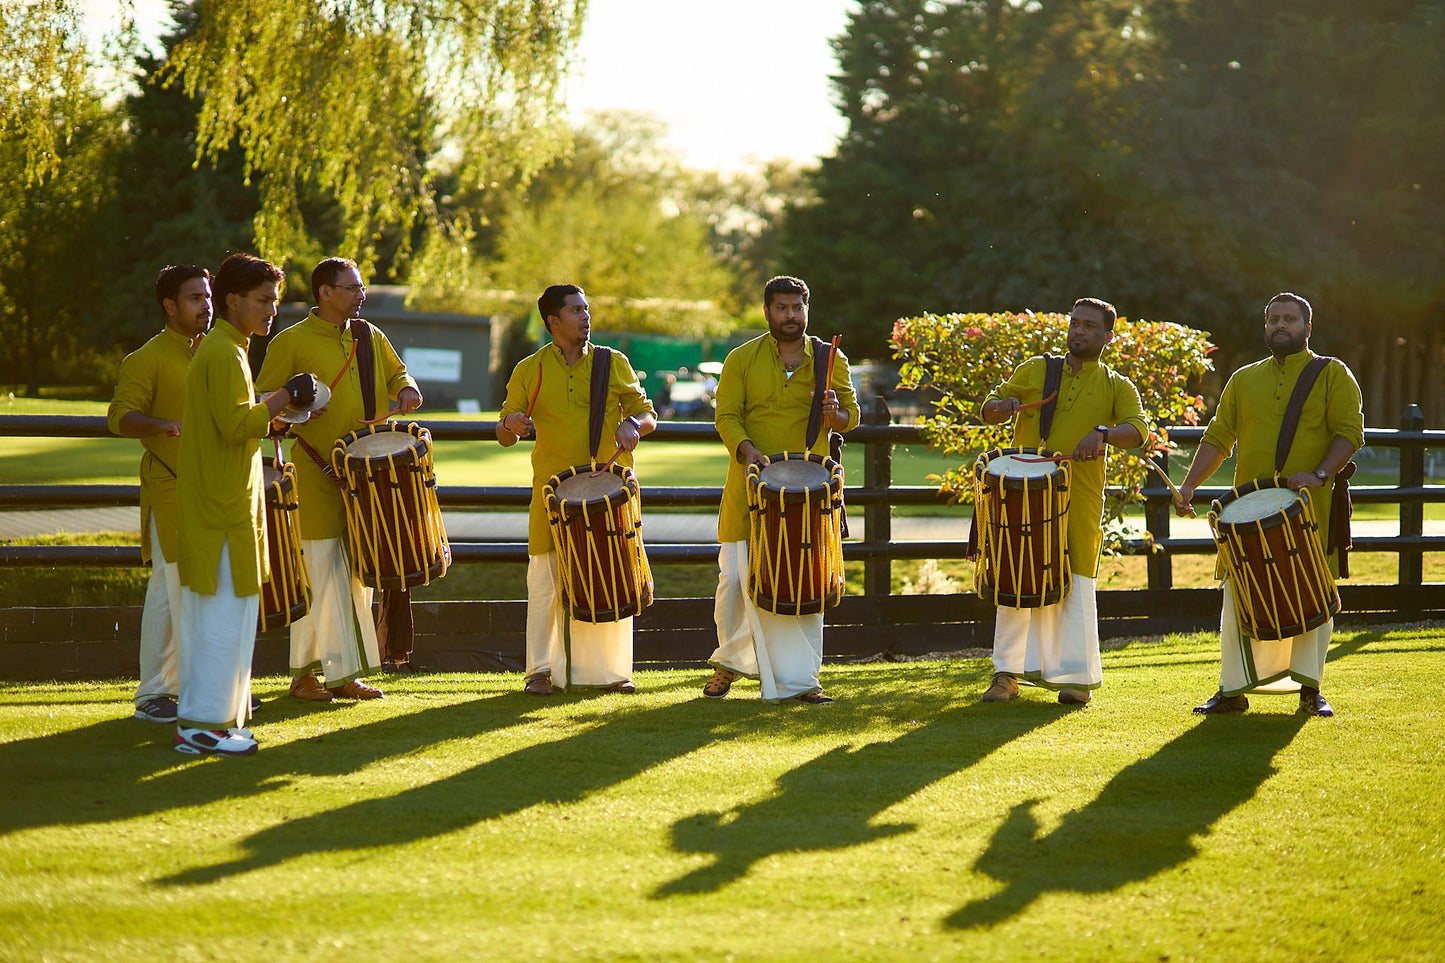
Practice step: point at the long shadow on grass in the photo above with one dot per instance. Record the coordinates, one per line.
(122, 768)
(1142, 823)
(830, 802)
(566, 770)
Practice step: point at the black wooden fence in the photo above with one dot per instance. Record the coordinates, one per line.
(489, 634)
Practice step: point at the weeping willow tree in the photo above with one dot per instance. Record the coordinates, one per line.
(372, 102)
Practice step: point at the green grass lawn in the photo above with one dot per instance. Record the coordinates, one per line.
(460, 819)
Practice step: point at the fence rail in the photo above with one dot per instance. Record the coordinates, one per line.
(678, 630)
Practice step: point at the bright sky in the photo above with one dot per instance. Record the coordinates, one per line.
(734, 81)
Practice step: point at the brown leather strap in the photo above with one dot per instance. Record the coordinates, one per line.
(365, 365)
(320, 462)
(1053, 377)
(1296, 405)
(820, 377)
(1340, 511)
(597, 395)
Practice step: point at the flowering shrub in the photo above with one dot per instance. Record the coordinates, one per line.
(963, 357)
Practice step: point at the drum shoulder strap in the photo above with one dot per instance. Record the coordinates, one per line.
(601, 381)
(1296, 405)
(820, 376)
(365, 365)
(1053, 377)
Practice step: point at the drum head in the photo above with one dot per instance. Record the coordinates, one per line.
(381, 444)
(1252, 506)
(270, 476)
(582, 487)
(794, 474)
(1014, 466)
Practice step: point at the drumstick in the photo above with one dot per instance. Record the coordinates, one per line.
(832, 359)
(380, 418)
(607, 467)
(1053, 458)
(1038, 404)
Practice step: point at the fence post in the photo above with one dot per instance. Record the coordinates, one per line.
(1412, 514)
(878, 518)
(1156, 519)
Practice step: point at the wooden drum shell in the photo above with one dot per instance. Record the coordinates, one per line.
(795, 550)
(1023, 532)
(286, 597)
(602, 563)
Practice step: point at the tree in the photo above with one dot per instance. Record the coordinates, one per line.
(617, 216)
(55, 134)
(369, 100)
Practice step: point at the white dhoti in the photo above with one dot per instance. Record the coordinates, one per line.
(338, 636)
(783, 652)
(1056, 646)
(160, 626)
(217, 638)
(1271, 667)
(584, 654)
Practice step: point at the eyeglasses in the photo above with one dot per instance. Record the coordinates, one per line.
(353, 288)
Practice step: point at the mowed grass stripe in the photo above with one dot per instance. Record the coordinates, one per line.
(460, 818)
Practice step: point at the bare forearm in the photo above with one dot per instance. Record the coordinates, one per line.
(133, 424)
(1207, 460)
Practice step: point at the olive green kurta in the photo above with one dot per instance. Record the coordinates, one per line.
(318, 347)
(1096, 395)
(757, 401)
(220, 491)
(152, 382)
(561, 418)
(1251, 412)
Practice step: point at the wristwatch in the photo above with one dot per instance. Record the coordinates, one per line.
(633, 420)
(1105, 430)
(1322, 475)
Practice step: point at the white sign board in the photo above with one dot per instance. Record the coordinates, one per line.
(433, 364)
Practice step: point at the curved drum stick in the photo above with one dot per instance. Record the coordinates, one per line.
(536, 390)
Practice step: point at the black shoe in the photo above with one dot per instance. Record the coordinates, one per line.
(1311, 703)
(815, 698)
(1219, 703)
(398, 668)
(157, 709)
(255, 704)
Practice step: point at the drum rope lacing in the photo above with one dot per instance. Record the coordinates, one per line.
(291, 586)
(626, 576)
(819, 535)
(996, 519)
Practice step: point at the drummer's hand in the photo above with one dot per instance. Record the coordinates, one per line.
(1183, 505)
(1090, 447)
(833, 418)
(1303, 479)
(408, 400)
(627, 436)
(518, 424)
(1004, 409)
(172, 429)
(749, 454)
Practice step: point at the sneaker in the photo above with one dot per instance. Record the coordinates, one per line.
(626, 688)
(218, 742)
(722, 680)
(1003, 688)
(814, 698)
(356, 689)
(308, 688)
(1074, 697)
(242, 732)
(1220, 704)
(157, 709)
(1311, 703)
(539, 685)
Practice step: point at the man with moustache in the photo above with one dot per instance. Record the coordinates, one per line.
(563, 651)
(1331, 428)
(149, 399)
(338, 637)
(221, 523)
(1057, 646)
(764, 398)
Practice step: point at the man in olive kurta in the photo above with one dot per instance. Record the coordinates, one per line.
(222, 558)
(337, 638)
(764, 398)
(563, 651)
(148, 404)
(1248, 421)
(1057, 646)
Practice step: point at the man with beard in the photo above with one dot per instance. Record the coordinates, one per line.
(338, 636)
(562, 651)
(1331, 428)
(764, 399)
(1057, 646)
(150, 397)
(221, 523)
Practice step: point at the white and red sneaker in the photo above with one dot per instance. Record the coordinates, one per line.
(217, 742)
